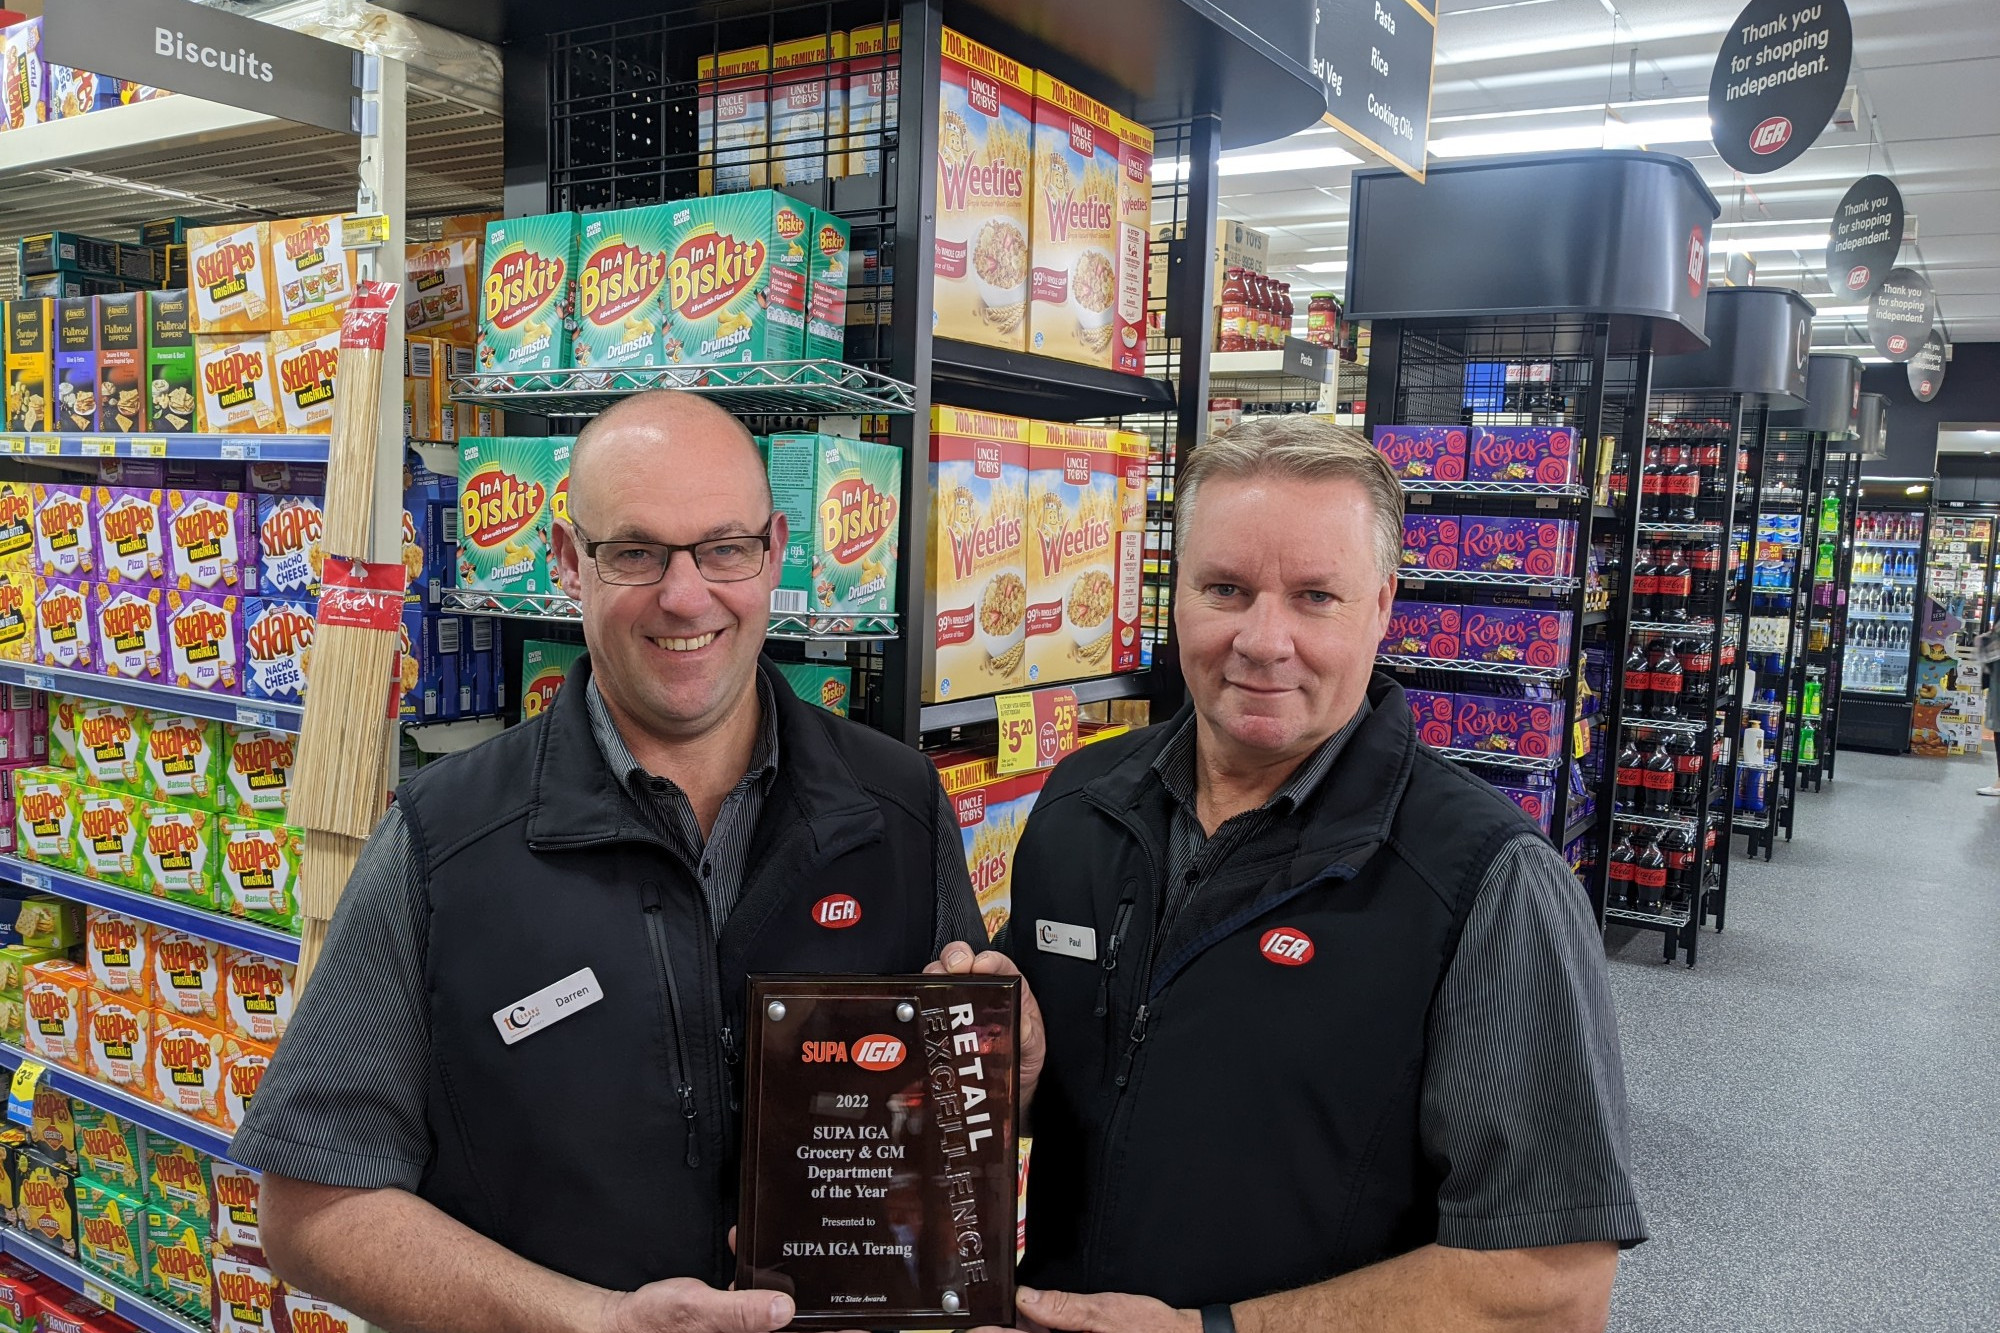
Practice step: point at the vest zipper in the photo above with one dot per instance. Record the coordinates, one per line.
(732, 1058)
(1110, 962)
(689, 1114)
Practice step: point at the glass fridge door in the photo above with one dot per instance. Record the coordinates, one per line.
(1950, 706)
(1882, 602)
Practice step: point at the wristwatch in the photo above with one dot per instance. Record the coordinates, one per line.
(1217, 1319)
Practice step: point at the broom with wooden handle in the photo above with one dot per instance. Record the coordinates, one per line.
(339, 787)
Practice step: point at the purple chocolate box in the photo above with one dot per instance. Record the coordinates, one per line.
(1515, 545)
(1426, 453)
(1518, 636)
(1543, 454)
(211, 540)
(1531, 728)
(1423, 629)
(1431, 711)
(1537, 803)
(1430, 541)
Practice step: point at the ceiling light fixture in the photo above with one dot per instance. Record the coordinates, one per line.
(1569, 138)
(1251, 164)
(1915, 490)
(1745, 245)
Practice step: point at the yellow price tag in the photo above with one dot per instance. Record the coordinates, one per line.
(21, 1094)
(148, 447)
(1579, 745)
(97, 446)
(358, 232)
(1017, 733)
(103, 1295)
(13, 444)
(46, 445)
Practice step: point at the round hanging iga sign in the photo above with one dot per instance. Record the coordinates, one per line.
(1867, 233)
(1927, 368)
(1780, 75)
(1901, 314)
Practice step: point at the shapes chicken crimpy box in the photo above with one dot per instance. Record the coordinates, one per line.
(243, 1070)
(1424, 453)
(187, 976)
(188, 1062)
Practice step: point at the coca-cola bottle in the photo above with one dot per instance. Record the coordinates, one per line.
(1704, 562)
(1712, 485)
(1649, 876)
(1660, 781)
(1624, 861)
(1667, 677)
(1683, 485)
(1631, 778)
(1618, 484)
(1687, 774)
(1673, 582)
(1644, 580)
(1697, 671)
(1638, 674)
(1678, 849)
(1652, 497)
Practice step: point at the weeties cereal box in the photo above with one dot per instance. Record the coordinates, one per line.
(238, 394)
(737, 278)
(119, 954)
(985, 153)
(842, 499)
(289, 555)
(510, 488)
(260, 871)
(277, 647)
(44, 821)
(204, 638)
(978, 554)
(130, 539)
(210, 540)
(621, 268)
(312, 274)
(180, 853)
(111, 745)
(1423, 453)
(118, 1030)
(109, 829)
(1073, 226)
(1135, 222)
(56, 994)
(1541, 454)
(229, 273)
(526, 293)
(303, 364)
(62, 624)
(128, 631)
(1086, 510)
(172, 388)
(260, 993)
(257, 771)
(65, 530)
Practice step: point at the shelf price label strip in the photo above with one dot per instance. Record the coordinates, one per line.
(159, 911)
(154, 1117)
(168, 698)
(134, 1309)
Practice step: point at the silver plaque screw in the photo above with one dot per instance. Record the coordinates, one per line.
(951, 1304)
(775, 1011)
(906, 1011)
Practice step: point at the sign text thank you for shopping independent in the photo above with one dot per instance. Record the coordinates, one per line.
(211, 54)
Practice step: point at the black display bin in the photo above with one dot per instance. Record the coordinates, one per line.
(1759, 342)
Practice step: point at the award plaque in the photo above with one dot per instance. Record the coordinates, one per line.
(879, 1165)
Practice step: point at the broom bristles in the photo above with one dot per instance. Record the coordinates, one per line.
(349, 511)
(328, 865)
(340, 785)
(312, 941)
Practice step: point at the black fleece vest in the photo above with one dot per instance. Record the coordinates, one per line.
(1256, 1129)
(604, 1146)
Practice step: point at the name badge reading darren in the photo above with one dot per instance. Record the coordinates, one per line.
(551, 1004)
(1070, 941)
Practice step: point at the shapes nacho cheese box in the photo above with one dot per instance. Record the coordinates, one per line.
(238, 391)
(183, 758)
(204, 639)
(111, 1232)
(842, 498)
(1083, 551)
(210, 540)
(187, 976)
(289, 555)
(229, 276)
(260, 994)
(303, 367)
(111, 745)
(56, 994)
(118, 1031)
(118, 952)
(260, 871)
(44, 822)
(127, 623)
(110, 1147)
(131, 543)
(109, 827)
(65, 530)
(980, 256)
(277, 647)
(179, 1179)
(621, 269)
(978, 553)
(177, 1273)
(527, 293)
(188, 1060)
(180, 851)
(737, 279)
(310, 272)
(257, 771)
(510, 489)
(1074, 226)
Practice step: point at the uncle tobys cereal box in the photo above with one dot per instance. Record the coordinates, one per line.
(808, 109)
(289, 556)
(732, 119)
(127, 622)
(229, 275)
(1073, 226)
(179, 1178)
(260, 993)
(527, 293)
(978, 553)
(257, 771)
(65, 530)
(118, 951)
(737, 279)
(210, 539)
(1086, 509)
(187, 975)
(985, 155)
(259, 862)
(44, 821)
(510, 489)
(842, 498)
(109, 1147)
(172, 387)
(56, 994)
(188, 1060)
(312, 275)
(303, 366)
(119, 1030)
(109, 828)
(992, 813)
(277, 647)
(621, 267)
(111, 1232)
(874, 81)
(111, 745)
(238, 390)
(131, 543)
(62, 624)
(177, 1273)
(204, 640)
(180, 853)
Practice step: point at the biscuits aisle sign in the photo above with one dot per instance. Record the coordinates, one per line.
(1867, 233)
(1780, 75)
(1375, 58)
(211, 54)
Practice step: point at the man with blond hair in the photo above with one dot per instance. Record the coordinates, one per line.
(1329, 1043)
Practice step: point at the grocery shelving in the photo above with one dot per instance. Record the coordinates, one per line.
(237, 934)
(1459, 667)
(1537, 585)
(137, 1310)
(226, 448)
(557, 607)
(967, 712)
(151, 1115)
(165, 698)
(751, 388)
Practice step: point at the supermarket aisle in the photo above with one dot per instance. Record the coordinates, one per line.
(1816, 1107)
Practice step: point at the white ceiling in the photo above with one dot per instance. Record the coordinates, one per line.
(1928, 76)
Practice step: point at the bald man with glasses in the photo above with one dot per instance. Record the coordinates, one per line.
(511, 1096)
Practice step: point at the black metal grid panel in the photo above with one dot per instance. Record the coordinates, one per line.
(1844, 483)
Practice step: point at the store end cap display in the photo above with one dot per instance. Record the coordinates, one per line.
(1609, 232)
(1833, 398)
(1759, 340)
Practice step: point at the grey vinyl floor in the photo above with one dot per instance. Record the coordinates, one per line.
(1816, 1106)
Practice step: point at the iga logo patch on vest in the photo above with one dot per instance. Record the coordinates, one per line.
(1286, 947)
(836, 911)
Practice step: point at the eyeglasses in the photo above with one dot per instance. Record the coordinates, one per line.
(719, 559)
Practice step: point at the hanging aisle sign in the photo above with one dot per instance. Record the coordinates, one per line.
(1778, 79)
(1927, 368)
(1375, 58)
(1901, 314)
(1867, 233)
(209, 53)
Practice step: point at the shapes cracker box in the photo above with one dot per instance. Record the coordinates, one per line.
(260, 870)
(1430, 541)
(17, 610)
(179, 1178)
(131, 541)
(177, 1273)
(1073, 227)
(527, 286)
(277, 647)
(65, 530)
(56, 995)
(303, 366)
(842, 499)
(310, 272)
(187, 976)
(238, 391)
(188, 1060)
(180, 852)
(229, 276)
(980, 257)
(110, 829)
(111, 745)
(1516, 545)
(257, 771)
(173, 402)
(46, 1199)
(621, 269)
(75, 365)
(1423, 453)
(62, 729)
(246, 1297)
(1546, 455)
(732, 119)
(17, 522)
(1086, 512)
(118, 951)
(211, 540)
(127, 624)
(234, 1217)
(62, 624)
(111, 1232)
(289, 555)
(30, 363)
(110, 1147)
(260, 993)
(118, 1030)
(826, 301)
(243, 1073)
(808, 109)
(978, 554)
(309, 1314)
(52, 1128)
(44, 820)
(736, 279)
(121, 363)
(204, 639)
(509, 490)
(442, 277)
